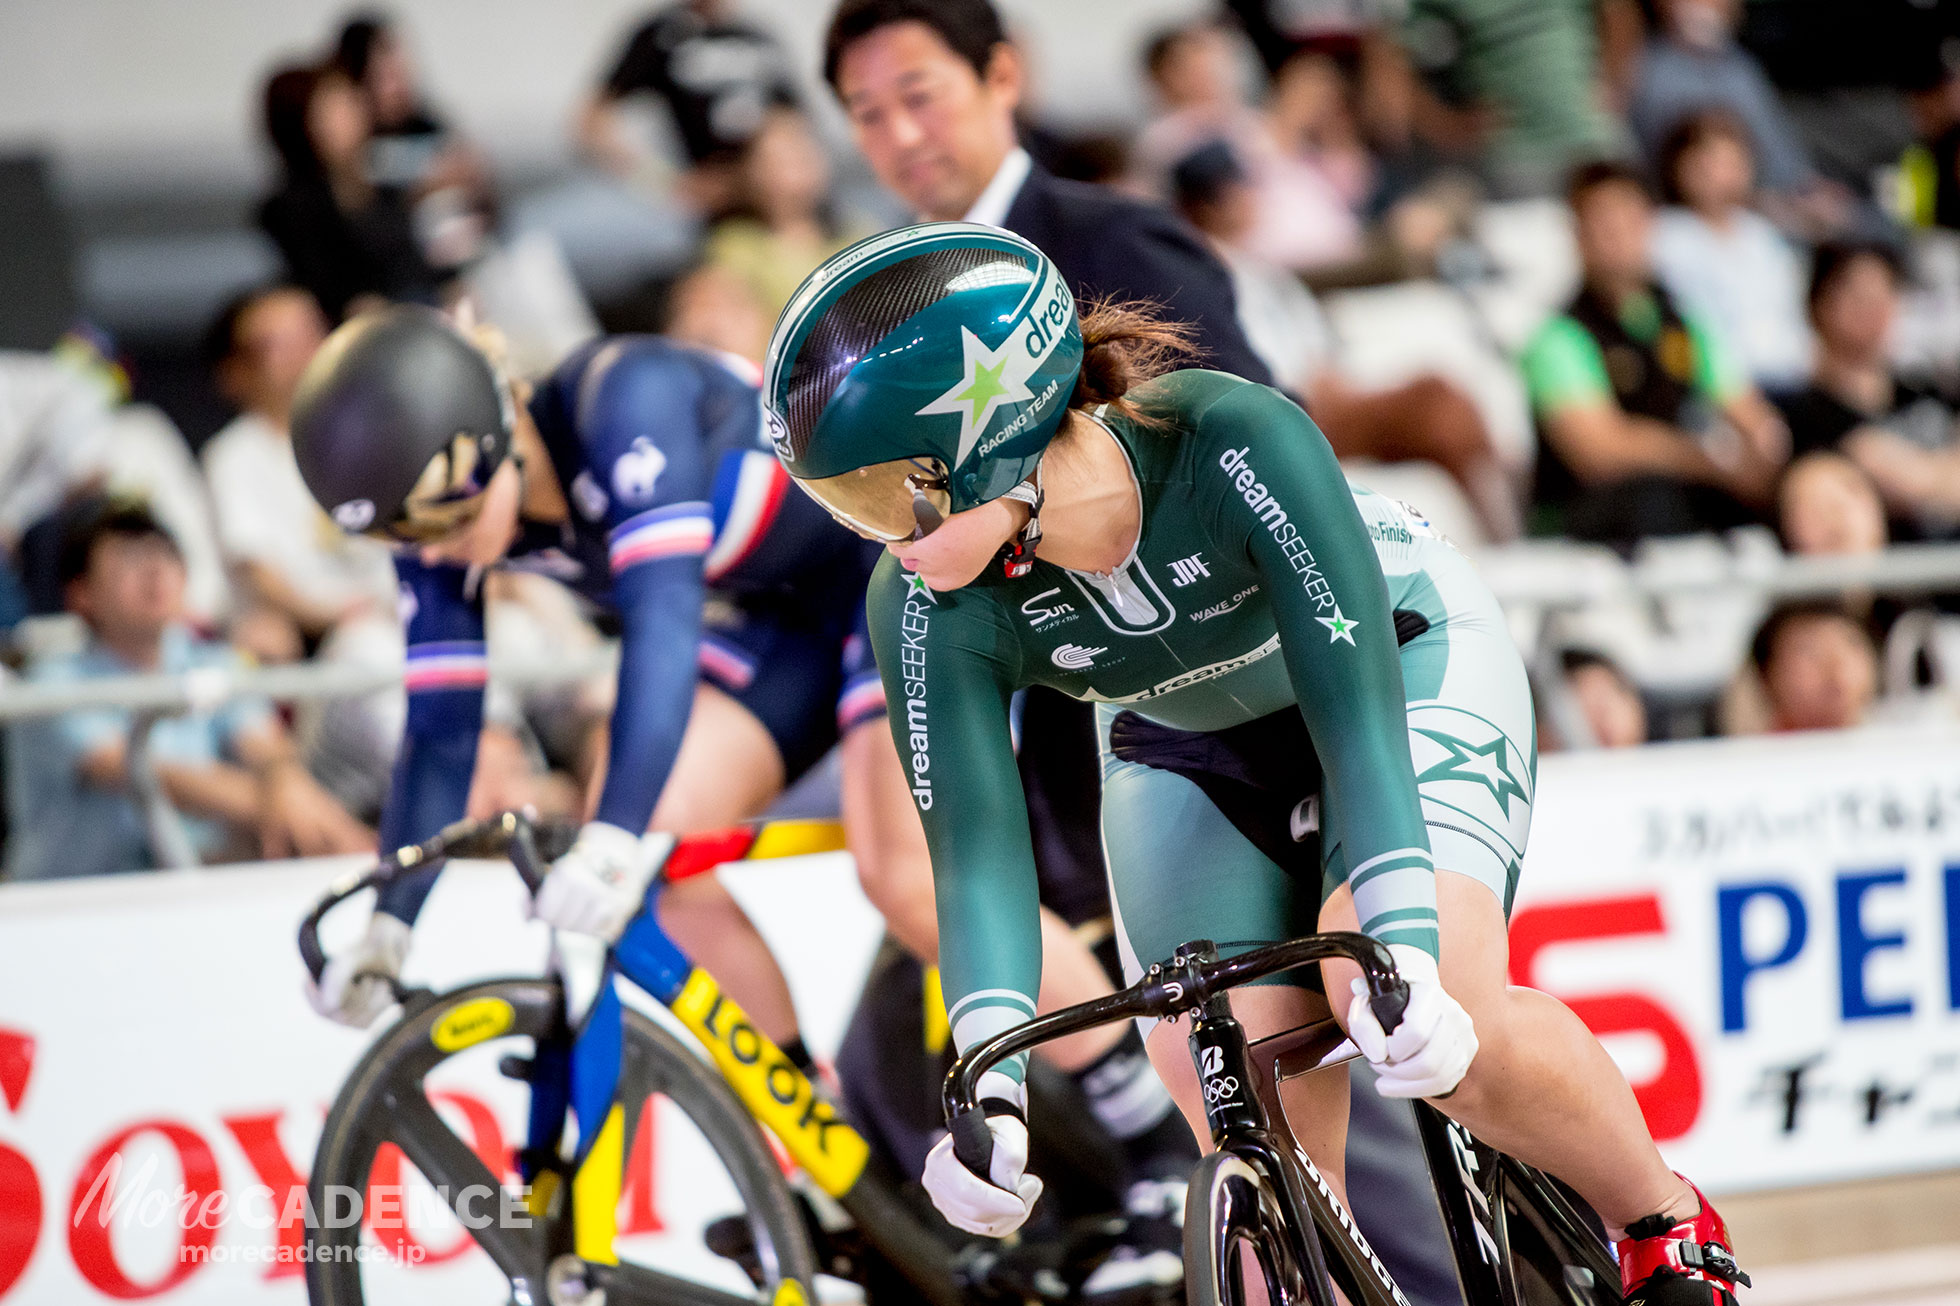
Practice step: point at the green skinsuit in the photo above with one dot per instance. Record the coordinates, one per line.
(1261, 580)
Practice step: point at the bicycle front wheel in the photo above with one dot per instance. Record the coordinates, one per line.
(684, 1131)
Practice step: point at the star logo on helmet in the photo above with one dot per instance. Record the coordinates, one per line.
(988, 379)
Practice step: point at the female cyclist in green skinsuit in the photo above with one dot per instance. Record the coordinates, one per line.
(1184, 550)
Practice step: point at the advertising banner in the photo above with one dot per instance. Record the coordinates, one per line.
(1764, 932)
(156, 1052)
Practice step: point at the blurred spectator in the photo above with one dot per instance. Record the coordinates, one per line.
(717, 76)
(1647, 425)
(711, 307)
(1343, 199)
(1818, 667)
(1721, 260)
(1424, 191)
(1427, 418)
(411, 148)
(344, 235)
(1825, 504)
(1693, 63)
(232, 773)
(1607, 698)
(1365, 32)
(1197, 75)
(304, 583)
(1900, 435)
(54, 427)
(1312, 171)
(931, 88)
(1930, 167)
(291, 560)
(785, 220)
(1279, 29)
(73, 404)
(1528, 73)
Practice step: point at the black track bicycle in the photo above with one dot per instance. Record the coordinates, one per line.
(1257, 1206)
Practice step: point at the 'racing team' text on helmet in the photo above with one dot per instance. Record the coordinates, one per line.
(934, 361)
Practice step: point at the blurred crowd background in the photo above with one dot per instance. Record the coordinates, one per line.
(1619, 293)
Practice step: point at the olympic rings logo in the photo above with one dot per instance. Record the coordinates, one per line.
(1220, 1090)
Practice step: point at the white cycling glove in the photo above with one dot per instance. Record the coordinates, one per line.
(971, 1203)
(353, 989)
(599, 886)
(1431, 1050)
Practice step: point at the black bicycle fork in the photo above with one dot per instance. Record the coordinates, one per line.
(1239, 1127)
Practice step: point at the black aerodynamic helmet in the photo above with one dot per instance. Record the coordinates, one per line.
(399, 423)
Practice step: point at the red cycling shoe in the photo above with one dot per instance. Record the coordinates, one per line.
(1684, 1263)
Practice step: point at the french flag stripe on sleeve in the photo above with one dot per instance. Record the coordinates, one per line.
(449, 664)
(759, 487)
(681, 530)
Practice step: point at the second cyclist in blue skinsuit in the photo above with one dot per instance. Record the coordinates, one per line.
(636, 475)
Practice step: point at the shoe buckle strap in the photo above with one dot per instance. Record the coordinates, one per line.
(1711, 1258)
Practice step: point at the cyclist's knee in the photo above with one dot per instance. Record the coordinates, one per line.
(891, 879)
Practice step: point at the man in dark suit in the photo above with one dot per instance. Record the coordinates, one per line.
(931, 88)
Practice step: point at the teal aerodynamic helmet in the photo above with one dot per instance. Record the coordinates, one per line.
(933, 362)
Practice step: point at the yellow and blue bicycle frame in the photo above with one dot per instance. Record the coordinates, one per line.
(582, 1074)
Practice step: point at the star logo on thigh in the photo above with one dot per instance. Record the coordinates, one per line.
(1488, 765)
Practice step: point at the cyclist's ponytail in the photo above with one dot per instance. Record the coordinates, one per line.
(1125, 344)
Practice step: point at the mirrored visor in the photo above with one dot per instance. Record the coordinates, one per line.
(425, 523)
(878, 501)
(446, 498)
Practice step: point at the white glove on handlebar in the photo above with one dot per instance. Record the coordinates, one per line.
(353, 989)
(1431, 1050)
(973, 1204)
(599, 886)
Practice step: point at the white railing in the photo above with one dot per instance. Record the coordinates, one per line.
(151, 698)
(208, 688)
(1903, 568)
(1568, 581)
